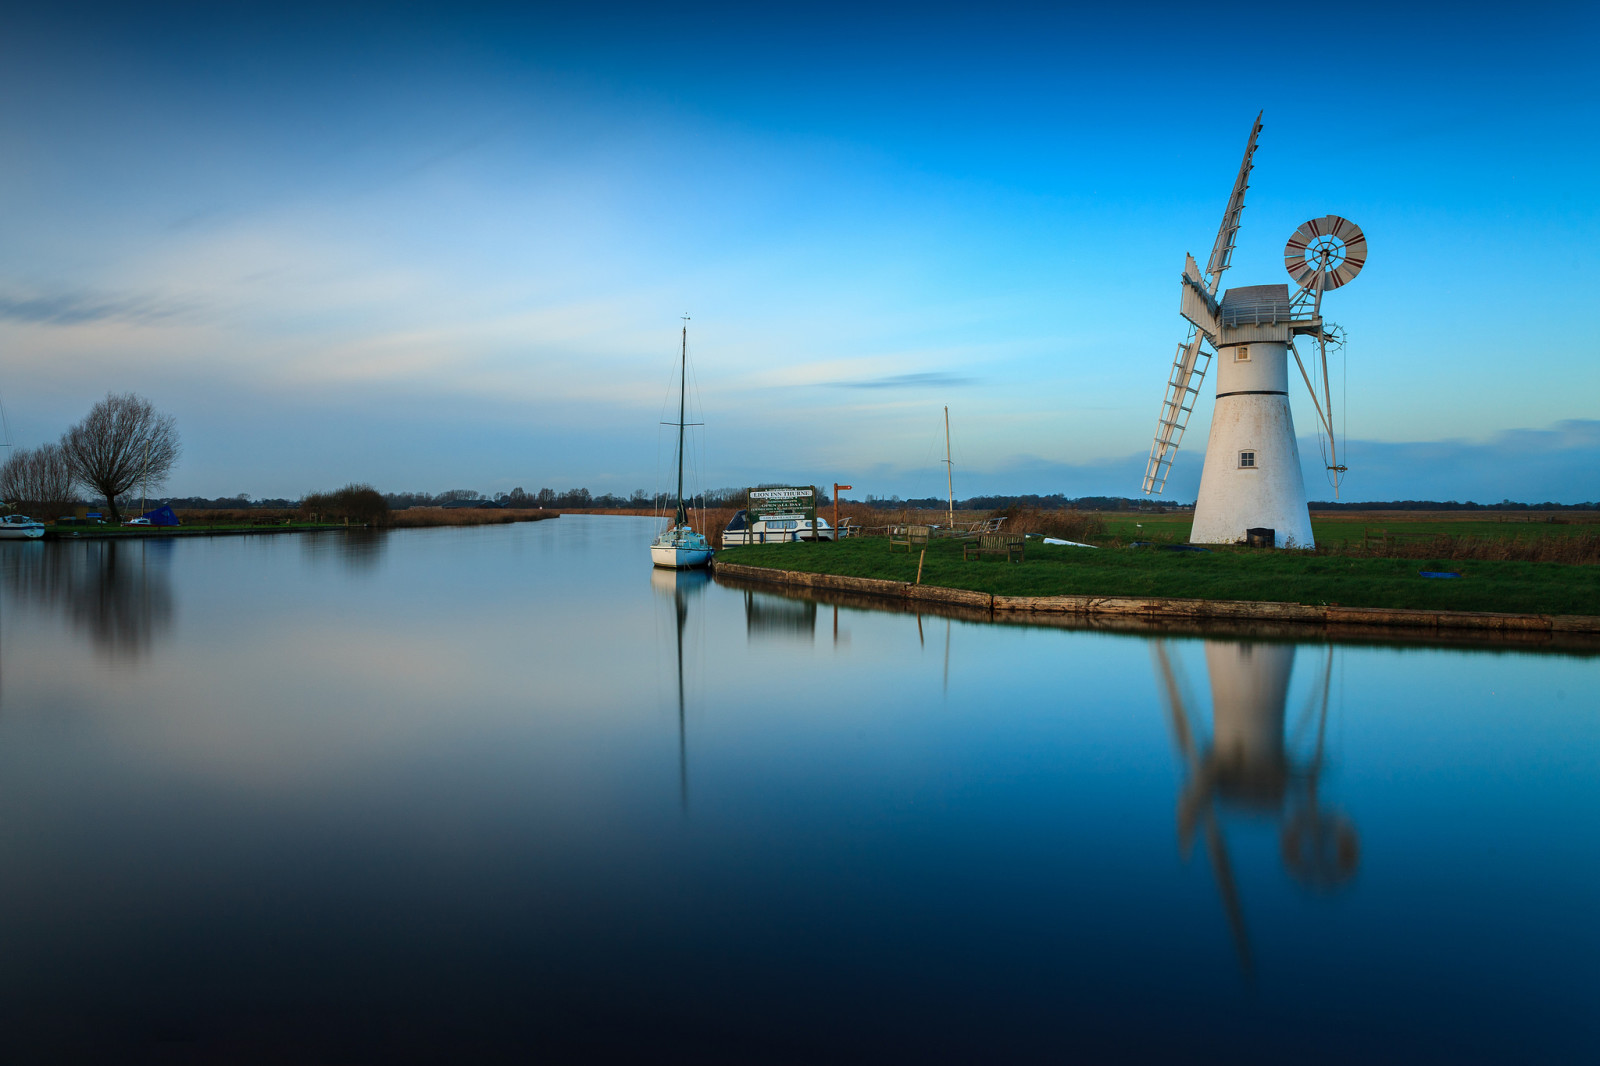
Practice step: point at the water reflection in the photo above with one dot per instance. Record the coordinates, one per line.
(1249, 765)
(117, 593)
(359, 550)
(436, 814)
(681, 586)
(780, 618)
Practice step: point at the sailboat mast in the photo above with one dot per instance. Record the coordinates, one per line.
(949, 469)
(683, 380)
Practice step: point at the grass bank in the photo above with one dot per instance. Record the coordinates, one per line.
(1220, 574)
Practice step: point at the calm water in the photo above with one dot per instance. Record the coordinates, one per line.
(439, 792)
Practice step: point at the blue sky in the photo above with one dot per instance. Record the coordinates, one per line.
(437, 247)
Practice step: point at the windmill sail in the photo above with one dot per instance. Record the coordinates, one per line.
(1222, 250)
(1190, 364)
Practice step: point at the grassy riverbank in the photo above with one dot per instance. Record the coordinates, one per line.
(1346, 528)
(1222, 574)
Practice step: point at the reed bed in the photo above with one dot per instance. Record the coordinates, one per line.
(244, 516)
(1578, 549)
(1083, 527)
(416, 517)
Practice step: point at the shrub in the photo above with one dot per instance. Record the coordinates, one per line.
(354, 503)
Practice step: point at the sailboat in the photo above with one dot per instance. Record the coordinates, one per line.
(679, 547)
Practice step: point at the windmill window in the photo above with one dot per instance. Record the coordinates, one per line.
(1241, 354)
(1247, 460)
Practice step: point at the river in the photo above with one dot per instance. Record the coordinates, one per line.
(505, 793)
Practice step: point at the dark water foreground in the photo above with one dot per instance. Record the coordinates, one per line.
(504, 794)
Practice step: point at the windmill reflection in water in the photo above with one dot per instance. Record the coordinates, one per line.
(680, 586)
(1250, 764)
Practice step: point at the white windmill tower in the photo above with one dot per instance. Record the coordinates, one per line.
(1251, 478)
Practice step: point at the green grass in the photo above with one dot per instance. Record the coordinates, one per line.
(1224, 574)
(1343, 529)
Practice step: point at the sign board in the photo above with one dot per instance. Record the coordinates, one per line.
(769, 505)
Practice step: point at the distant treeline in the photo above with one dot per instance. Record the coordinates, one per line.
(221, 503)
(640, 500)
(1450, 505)
(1053, 502)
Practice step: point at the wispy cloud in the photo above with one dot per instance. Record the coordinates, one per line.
(79, 308)
(929, 380)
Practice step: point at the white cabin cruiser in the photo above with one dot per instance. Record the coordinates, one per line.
(20, 527)
(741, 530)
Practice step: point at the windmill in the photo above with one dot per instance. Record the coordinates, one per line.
(1251, 478)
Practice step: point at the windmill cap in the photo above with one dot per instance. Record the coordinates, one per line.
(1264, 297)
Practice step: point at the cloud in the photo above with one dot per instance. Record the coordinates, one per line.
(1525, 465)
(78, 308)
(930, 380)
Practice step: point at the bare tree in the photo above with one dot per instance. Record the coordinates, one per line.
(37, 480)
(124, 441)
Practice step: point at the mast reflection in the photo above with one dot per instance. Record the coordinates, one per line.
(1250, 765)
(680, 585)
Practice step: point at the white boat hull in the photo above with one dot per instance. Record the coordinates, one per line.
(772, 537)
(783, 531)
(671, 557)
(21, 531)
(680, 548)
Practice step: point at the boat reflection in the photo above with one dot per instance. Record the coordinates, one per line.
(779, 617)
(117, 593)
(681, 586)
(1250, 764)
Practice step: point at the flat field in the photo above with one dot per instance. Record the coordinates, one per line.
(1223, 573)
(1345, 527)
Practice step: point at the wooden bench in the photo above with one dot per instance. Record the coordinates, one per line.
(1007, 544)
(911, 537)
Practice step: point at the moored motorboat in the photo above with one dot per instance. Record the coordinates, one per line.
(20, 527)
(742, 530)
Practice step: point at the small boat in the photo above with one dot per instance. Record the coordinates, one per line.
(20, 527)
(741, 530)
(679, 547)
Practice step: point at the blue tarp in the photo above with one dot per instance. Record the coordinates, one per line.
(161, 516)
